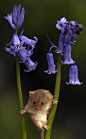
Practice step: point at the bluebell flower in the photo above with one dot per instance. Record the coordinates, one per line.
(61, 44)
(67, 55)
(24, 54)
(75, 27)
(69, 29)
(15, 40)
(15, 45)
(73, 76)
(16, 18)
(9, 18)
(51, 65)
(72, 24)
(11, 50)
(28, 42)
(67, 35)
(61, 24)
(78, 29)
(30, 65)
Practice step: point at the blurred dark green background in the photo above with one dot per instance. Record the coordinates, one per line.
(41, 16)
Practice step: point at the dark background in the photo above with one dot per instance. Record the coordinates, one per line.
(42, 16)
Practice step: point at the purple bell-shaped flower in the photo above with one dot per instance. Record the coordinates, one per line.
(67, 55)
(30, 65)
(28, 42)
(15, 45)
(61, 44)
(73, 76)
(15, 40)
(51, 65)
(69, 36)
(24, 54)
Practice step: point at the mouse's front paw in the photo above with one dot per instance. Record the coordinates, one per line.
(22, 112)
(54, 101)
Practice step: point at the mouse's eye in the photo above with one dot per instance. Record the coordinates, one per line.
(34, 102)
(42, 103)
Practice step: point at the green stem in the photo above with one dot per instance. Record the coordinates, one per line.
(20, 98)
(56, 97)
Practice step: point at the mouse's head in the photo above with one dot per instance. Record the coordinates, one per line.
(40, 100)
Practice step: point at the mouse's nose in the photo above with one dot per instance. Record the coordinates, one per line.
(37, 108)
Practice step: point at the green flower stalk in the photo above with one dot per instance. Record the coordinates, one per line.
(56, 97)
(20, 98)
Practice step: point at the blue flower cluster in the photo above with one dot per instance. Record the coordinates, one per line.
(16, 18)
(69, 29)
(21, 45)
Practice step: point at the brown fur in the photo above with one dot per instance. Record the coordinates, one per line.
(39, 112)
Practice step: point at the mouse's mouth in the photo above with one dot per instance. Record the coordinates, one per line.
(37, 108)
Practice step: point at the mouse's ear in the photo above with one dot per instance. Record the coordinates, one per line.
(31, 93)
(46, 91)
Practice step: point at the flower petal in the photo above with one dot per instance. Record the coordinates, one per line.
(10, 50)
(9, 18)
(67, 56)
(61, 43)
(27, 41)
(24, 54)
(14, 15)
(15, 40)
(21, 18)
(18, 10)
(30, 65)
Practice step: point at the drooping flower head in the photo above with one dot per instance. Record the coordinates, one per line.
(24, 54)
(69, 30)
(61, 44)
(51, 65)
(14, 44)
(28, 42)
(67, 55)
(16, 18)
(15, 40)
(30, 65)
(73, 76)
(50, 59)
